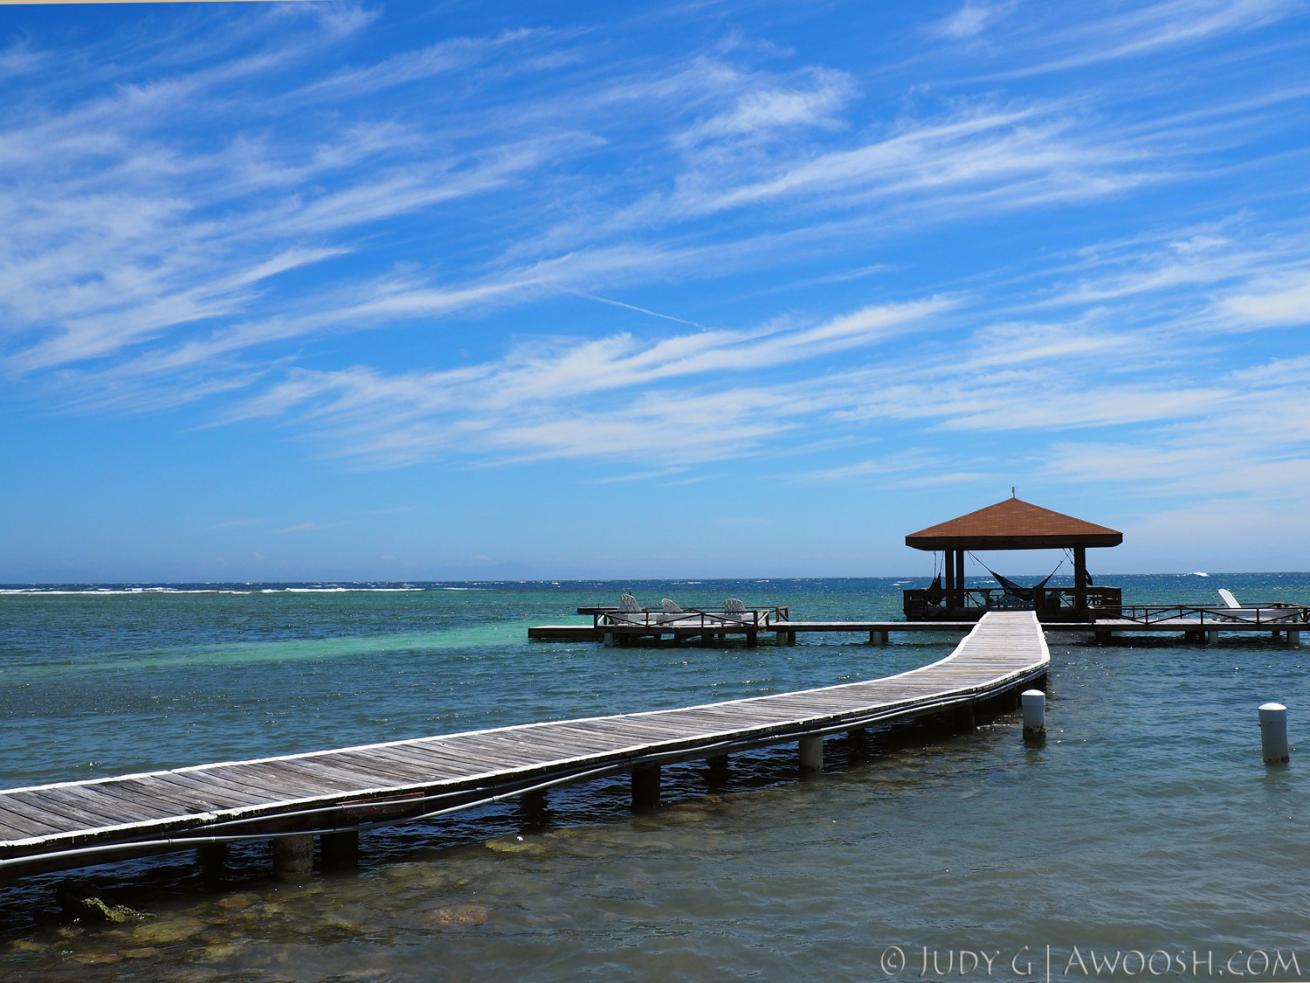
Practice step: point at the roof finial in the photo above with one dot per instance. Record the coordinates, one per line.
(1012, 494)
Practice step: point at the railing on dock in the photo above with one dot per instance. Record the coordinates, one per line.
(1256, 615)
(1050, 603)
(689, 619)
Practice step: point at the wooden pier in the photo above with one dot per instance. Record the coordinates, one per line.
(782, 632)
(1195, 623)
(334, 794)
(880, 632)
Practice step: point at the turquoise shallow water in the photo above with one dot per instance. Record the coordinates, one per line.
(1146, 822)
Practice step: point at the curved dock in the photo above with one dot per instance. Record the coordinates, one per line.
(333, 794)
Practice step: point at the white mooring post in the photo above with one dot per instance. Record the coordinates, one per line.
(1273, 733)
(1034, 714)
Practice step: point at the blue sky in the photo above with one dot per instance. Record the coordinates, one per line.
(394, 291)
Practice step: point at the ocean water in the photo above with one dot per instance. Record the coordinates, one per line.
(1146, 824)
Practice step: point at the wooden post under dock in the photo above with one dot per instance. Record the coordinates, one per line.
(645, 787)
(293, 858)
(811, 753)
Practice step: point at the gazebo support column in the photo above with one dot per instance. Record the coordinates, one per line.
(948, 571)
(1080, 579)
(959, 578)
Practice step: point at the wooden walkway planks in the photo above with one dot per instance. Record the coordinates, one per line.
(161, 809)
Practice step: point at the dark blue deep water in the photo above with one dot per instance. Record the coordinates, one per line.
(1146, 823)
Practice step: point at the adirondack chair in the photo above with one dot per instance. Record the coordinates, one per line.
(671, 610)
(734, 610)
(629, 612)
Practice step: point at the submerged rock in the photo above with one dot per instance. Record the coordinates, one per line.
(164, 932)
(515, 844)
(27, 945)
(81, 901)
(217, 951)
(687, 812)
(97, 958)
(459, 914)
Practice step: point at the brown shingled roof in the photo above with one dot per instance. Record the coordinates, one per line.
(1013, 524)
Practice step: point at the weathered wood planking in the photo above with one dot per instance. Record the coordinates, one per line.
(1003, 651)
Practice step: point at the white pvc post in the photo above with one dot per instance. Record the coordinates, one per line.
(1273, 733)
(1034, 714)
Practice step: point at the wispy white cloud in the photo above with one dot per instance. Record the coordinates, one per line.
(450, 55)
(299, 527)
(527, 405)
(1138, 30)
(657, 474)
(234, 523)
(1281, 301)
(769, 111)
(969, 20)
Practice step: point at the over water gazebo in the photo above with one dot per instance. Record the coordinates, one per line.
(1012, 524)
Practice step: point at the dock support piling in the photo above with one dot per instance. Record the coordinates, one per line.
(340, 850)
(1034, 715)
(716, 774)
(1273, 733)
(878, 637)
(533, 808)
(855, 744)
(609, 639)
(1212, 638)
(752, 639)
(811, 754)
(963, 717)
(1293, 639)
(293, 857)
(645, 787)
(212, 858)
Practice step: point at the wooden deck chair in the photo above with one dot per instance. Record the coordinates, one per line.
(672, 612)
(630, 612)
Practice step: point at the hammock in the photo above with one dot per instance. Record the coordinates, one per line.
(1016, 590)
(935, 593)
(1091, 582)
